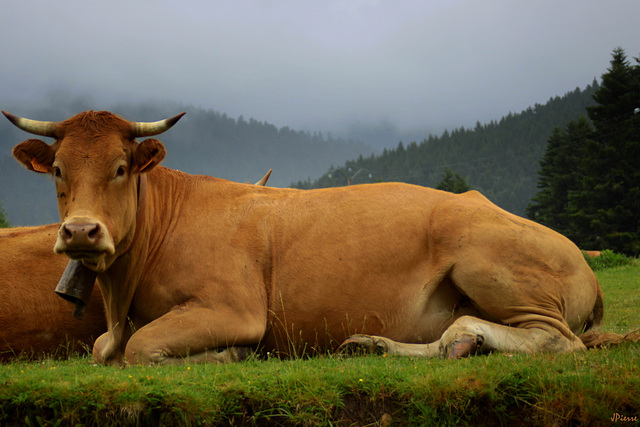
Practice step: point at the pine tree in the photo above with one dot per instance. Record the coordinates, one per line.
(604, 208)
(589, 178)
(616, 98)
(558, 177)
(452, 182)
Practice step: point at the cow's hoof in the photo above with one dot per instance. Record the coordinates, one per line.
(362, 345)
(464, 345)
(237, 354)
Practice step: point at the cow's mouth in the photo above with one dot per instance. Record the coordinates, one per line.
(83, 254)
(94, 260)
(87, 240)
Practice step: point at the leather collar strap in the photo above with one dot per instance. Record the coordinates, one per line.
(142, 194)
(142, 197)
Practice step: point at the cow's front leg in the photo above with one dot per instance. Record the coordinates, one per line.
(196, 334)
(108, 349)
(103, 351)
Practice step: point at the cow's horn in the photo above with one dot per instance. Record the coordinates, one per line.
(142, 129)
(264, 179)
(33, 126)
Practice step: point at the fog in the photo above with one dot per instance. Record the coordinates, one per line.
(360, 68)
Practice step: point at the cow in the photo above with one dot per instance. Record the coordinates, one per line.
(592, 254)
(34, 322)
(204, 269)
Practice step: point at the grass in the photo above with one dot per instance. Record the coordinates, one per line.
(497, 389)
(621, 288)
(607, 259)
(503, 389)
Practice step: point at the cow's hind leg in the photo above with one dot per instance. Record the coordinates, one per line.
(469, 335)
(371, 344)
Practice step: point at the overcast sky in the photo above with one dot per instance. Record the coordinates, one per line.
(315, 65)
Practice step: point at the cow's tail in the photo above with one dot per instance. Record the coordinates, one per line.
(592, 337)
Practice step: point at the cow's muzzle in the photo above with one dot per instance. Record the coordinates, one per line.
(83, 238)
(76, 285)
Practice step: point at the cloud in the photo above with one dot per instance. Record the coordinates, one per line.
(316, 65)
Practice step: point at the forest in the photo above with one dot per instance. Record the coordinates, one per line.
(571, 164)
(500, 158)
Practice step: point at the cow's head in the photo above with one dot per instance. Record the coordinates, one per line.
(97, 166)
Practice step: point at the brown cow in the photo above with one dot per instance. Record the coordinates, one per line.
(198, 267)
(34, 321)
(592, 254)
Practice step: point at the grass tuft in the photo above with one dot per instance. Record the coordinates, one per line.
(607, 259)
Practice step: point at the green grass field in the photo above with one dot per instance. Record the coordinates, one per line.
(593, 387)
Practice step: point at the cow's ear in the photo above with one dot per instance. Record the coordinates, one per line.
(149, 153)
(36, 155)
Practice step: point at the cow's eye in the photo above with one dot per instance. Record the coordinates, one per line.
(56, 172)
(120, 171)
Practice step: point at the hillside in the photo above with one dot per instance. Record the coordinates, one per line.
(500, 159)
(203, 142)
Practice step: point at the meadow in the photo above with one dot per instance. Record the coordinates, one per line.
(596, 387)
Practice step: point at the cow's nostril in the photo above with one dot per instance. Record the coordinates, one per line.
(66, 232)
(94, 232)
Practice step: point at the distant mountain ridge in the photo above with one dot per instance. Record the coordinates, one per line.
(499, 159)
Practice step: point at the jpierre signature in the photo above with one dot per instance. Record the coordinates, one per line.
(623, 418)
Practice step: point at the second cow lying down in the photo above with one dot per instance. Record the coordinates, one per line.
(198, 267)
(34, 321)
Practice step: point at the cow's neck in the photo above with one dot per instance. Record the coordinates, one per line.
(159, 200)
(119, 282)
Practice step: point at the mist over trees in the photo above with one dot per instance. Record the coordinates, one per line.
(500, 159)
(589, 178)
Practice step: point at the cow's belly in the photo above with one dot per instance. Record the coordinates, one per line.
(410, 311)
